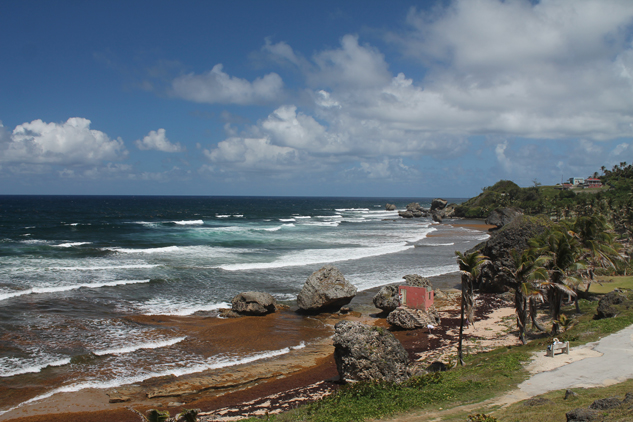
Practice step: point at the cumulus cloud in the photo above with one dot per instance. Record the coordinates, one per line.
(157, 140)
(217, 86)
(68, 143)
(253, 154)
(554, 69)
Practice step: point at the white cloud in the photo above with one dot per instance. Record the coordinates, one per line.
(68, 143)
(253, 154)
(216, 86)
(157, 140)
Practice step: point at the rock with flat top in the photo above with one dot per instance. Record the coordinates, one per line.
(410, 319)
(387, 298)
(253, 303)
(325, 290)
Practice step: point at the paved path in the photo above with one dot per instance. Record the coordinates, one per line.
(613, 366)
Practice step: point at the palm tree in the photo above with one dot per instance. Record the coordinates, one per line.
(469, 266)
(526, 270)
(596, 240)
(560, 254)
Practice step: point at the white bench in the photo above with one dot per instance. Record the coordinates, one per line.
(557, 345)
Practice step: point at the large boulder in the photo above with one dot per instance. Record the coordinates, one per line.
(410, 319)
(325, 290)
(387, 298)
(582, 415)
(438, 204)
(611, 304)
(498, 249)
(416, 280)
(390, 207)
(503, 216)
(364, 353)
(253, 303)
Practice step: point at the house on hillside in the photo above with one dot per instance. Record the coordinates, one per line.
(593, 183)
(576, 181)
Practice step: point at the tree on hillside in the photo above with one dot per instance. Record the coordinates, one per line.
(560, 256)
(525, 272)
(469, 266)
(597, 242)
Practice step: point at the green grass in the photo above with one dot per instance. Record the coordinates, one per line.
(553, 406)
(485, 375)
(610, 283)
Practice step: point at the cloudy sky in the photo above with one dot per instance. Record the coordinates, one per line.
(333, 98)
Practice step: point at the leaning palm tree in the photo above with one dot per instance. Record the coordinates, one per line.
(469, 266)
(525, 272)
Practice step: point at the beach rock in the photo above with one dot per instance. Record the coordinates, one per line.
(436, 217)
(582, 415)
(405, 214)
(390, 207)
(437, 366)
(387, 298)
(410, 319)
(228, 313)
(325, 289)
(611, 304)
(438, 204)
(605, 404)
(414, 206)
(498, 247)
(253, 303)
(416, 280)
(503, 216)
(569, 393)
(364, 353)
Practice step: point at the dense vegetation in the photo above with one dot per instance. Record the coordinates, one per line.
(614, 200)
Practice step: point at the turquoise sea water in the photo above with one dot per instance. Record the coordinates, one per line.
(73, 268)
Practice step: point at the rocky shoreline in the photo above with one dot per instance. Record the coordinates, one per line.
(269, 385)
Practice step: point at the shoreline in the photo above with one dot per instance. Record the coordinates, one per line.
(226, 388)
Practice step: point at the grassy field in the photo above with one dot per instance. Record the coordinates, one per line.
(610, 283)
(485, 375)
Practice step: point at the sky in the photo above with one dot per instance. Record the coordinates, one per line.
(323, 98)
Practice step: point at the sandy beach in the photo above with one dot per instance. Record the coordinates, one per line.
(277, 383)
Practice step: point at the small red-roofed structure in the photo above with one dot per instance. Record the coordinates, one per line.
(593, 183)
(416, 297)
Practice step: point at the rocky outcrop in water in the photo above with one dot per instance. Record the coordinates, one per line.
(253, 303)
(410, 319)
(364, 353)
(325, 290)
(390, 207)
(438, 204)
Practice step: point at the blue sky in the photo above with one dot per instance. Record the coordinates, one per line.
(332, 98)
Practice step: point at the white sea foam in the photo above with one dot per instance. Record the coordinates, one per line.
(71, 244)
(222, 216)
(10, 367)
(134, 348)
(287, 219)
(319, 256)
(438, 244)
(147, 250)
(169, 306)
(238, 215)
(105, 267)
(210, 364)
(352, 209)
(54, 289)
(189, 222)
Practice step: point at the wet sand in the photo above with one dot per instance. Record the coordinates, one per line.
(227, 390)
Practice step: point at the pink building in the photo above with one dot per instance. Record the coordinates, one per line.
(416, 297)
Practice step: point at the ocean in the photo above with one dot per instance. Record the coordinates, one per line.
(75, 271)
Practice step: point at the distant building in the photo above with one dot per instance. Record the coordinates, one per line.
(593, 183)
(575, 181)
(416, 297)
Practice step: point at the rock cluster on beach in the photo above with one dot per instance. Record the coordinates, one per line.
(325, 290)
(439, 210)
(410, 319)
(364, 353)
